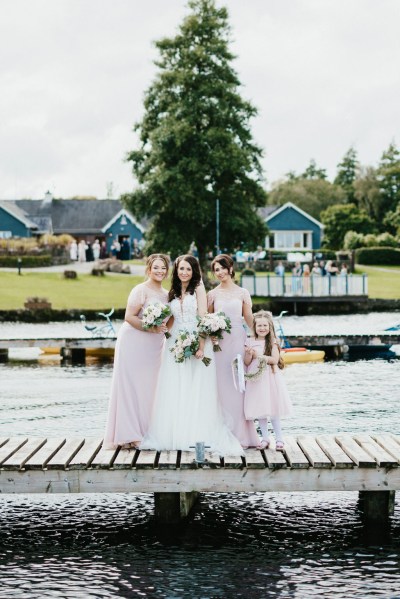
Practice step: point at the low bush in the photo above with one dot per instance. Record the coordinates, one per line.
(26, 261)
(378, 255)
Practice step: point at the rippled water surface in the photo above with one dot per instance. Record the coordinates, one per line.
(256, 545)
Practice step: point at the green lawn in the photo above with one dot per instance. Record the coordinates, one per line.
(87, 291)
(101, 293)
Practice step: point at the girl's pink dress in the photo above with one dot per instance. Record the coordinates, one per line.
(267, 397)
(231, 302)
(137, 362)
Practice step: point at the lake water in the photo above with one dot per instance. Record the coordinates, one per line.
(296, 545)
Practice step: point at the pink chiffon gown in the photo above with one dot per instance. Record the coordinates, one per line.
(136, 366)
(267, 397)
(232, 400)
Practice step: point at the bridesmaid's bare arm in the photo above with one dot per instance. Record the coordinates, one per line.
(248, 315)
(131, 317)
(201, 310)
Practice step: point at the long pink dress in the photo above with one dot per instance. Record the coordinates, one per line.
(232, 400)
(267, 397)
(136, 365)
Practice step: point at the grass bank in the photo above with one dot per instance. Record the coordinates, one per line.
(86, 292)
(383, 281)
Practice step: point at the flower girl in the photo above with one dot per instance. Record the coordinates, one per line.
(266, 394)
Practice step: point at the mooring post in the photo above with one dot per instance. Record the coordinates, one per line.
(3, 355)
(170, 508)
(76, 355)
(376, 506)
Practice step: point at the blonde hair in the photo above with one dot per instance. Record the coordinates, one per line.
(152, 258)
(271, 338)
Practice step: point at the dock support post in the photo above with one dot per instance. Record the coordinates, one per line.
(376, 506)
(170, 508)
(3, 355)
(76, 355)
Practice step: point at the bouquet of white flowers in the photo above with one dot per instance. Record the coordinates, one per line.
(214, 325)
(185, 346)
(154, 315)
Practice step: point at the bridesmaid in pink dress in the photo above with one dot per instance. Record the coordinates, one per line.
(137, 362)
(236, 303)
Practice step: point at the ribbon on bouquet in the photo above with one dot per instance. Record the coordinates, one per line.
(238, 372)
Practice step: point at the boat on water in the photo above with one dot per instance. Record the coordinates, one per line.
(298, 355)
(94, 352)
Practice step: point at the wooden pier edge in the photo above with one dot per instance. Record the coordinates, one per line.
(359, 462)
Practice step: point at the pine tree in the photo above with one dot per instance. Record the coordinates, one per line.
(389, 181)
(347, 174)
(196, 145)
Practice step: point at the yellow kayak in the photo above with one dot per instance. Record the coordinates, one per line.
(95, 352)
(304, 355)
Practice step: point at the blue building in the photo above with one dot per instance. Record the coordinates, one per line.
(87, 219)
(14, 222)
(291, 229)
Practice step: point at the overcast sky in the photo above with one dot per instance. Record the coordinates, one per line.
(324, 75)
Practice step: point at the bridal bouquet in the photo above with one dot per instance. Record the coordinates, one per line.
(214, 325)
(154, 315)
(185, 346)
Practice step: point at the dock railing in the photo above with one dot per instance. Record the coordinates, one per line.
(270, 285)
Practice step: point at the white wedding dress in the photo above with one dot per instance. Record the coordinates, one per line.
(186, 408)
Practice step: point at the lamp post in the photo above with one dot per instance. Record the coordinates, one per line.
(217, 225)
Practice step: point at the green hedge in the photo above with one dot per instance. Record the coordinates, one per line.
(26, 261)
(378, 255)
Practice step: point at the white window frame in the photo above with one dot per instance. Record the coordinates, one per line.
(288, 235)
(5, 234)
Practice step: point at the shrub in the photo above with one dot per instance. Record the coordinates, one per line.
(387, 240)
(353, 240)
(378, 255)
(26, 261)
(248, 272)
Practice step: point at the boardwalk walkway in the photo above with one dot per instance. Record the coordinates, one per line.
(368, 463)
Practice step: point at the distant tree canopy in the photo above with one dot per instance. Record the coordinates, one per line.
(340, 219)
(196, 145)
(311, 195)
(347, 174)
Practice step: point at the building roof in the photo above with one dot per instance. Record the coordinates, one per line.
(279, 209)
(17, 212)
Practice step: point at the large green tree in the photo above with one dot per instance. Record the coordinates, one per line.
(389, 180)
(367, 193)
(342, 218)
(196, 144)
(347, 174)
(311, 195)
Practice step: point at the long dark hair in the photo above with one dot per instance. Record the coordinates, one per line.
(176, 285)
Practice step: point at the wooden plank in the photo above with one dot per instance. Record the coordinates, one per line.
(44, 455)
(294, 454)
(228, 480)
(11, 447)
(389, 445)
(255, 459)
(18, 459)
(395, 438)
(335, 453)
(146, 459)
(212, 460)
(103, 458)
(382, 457)
(4, 440)
(62, 458)
(85, 454)
(237, 461)
(124, 459)
(275, 459)
(168, 459)
(354, 451)
(313, 452)
(187, 460)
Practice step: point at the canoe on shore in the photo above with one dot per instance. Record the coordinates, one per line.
(297, 355)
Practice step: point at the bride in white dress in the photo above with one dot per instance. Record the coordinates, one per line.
(186, 408)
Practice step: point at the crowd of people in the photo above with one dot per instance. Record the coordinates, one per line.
(159, 403)
(86, 251)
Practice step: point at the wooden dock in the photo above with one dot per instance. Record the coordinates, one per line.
(74, 349)
(367, 463)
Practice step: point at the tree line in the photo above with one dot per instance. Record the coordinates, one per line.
(198, 169)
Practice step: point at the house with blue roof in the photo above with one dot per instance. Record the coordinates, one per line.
(291, 229)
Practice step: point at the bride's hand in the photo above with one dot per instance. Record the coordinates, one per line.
(199, 354)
